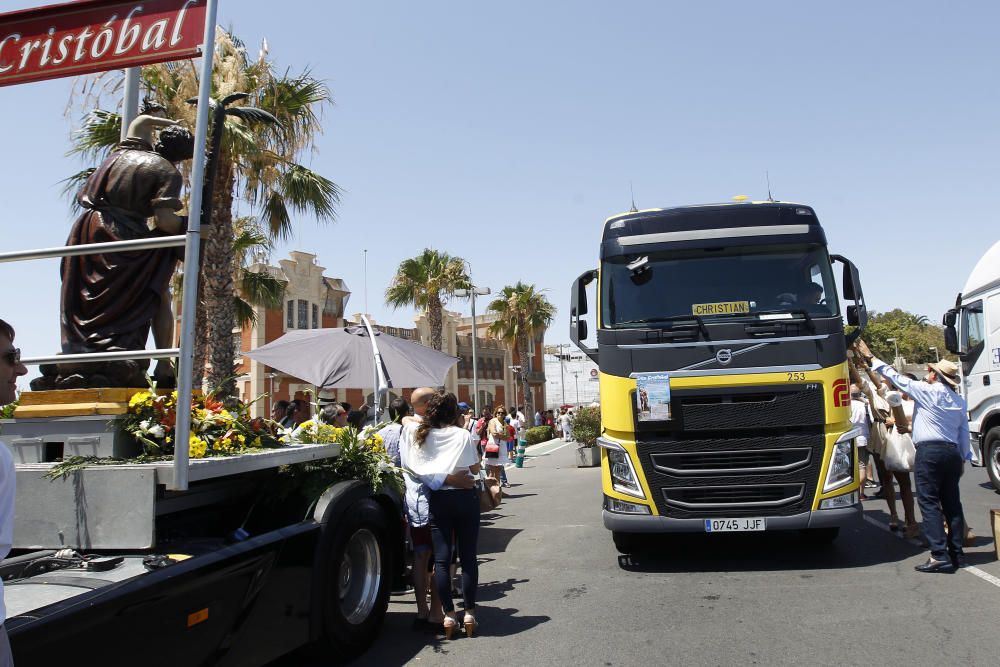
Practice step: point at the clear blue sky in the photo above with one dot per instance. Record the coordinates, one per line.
(506, 133)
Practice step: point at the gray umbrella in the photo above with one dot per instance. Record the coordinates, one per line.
(344, 358)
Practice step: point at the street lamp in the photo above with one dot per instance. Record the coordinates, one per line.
(937, 357)
(895, 361)
(562, 371)
(516, 371)
(576, 378)
(472, 294)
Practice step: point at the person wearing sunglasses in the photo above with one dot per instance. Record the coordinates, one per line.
(11, 368)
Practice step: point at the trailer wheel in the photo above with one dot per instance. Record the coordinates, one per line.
(991, 456)
(357, 572)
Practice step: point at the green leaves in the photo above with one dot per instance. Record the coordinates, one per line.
(101, 131)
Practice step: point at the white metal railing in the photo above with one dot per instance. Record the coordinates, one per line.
(191, 241)
(94, 248)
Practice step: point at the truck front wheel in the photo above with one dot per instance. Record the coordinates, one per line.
(357, 571)
(629, 543)
(991, 451)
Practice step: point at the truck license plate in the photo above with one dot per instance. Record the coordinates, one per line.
(733, 525)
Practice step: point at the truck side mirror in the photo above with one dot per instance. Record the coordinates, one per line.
(850, 289)
(852, 316)
(951, 339)
(950, 318)
(578, 307)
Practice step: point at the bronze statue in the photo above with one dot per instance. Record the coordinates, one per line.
(111, 301)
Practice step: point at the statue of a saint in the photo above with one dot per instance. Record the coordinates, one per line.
(111, 301)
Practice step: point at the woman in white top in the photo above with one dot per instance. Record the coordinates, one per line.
(442, 448)
(495, 453)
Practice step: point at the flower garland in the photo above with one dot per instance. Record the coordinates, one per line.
(215, 430)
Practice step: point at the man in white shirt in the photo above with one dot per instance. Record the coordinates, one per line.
(11, 368)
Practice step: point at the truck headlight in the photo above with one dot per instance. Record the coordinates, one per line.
(623, 477)
(622, 507)
(841, 470)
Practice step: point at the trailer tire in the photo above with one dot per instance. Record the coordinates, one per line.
(356, 561)
(991, 456)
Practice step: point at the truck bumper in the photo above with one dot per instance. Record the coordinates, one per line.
(638, 523)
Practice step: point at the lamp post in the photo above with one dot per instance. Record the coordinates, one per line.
(895, 360)
(576, 378)
(472, 293)
(562, 371)
(937, 357)
(516, 371)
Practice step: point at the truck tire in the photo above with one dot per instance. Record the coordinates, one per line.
(629, 543)
(356, 561)
(820, 536)
(991, 454)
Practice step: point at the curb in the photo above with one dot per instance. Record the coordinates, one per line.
(546, 442)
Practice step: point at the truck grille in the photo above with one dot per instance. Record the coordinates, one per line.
(732, 461)
(777, 406)
(766, 496)
(732, 477)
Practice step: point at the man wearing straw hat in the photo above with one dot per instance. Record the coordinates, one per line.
(941, 436)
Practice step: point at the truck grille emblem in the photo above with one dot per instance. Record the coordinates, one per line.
(724, 356)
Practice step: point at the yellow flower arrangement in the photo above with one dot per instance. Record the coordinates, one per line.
(197, 447)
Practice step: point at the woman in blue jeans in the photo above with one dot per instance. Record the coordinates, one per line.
(442, 448)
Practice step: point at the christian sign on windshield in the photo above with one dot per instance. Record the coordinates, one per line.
(76, 38)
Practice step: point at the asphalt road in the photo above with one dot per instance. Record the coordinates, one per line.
(553, 591)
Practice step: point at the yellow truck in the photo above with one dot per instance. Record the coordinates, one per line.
(722, 352)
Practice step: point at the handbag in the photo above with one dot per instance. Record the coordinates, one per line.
(490, 493)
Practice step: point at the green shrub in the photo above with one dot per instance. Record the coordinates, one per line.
(587, 426)
(538, 434)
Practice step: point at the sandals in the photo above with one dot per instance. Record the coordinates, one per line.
(471, 626)
(468, 622)
(450, 623)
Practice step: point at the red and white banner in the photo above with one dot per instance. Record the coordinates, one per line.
(95, 35)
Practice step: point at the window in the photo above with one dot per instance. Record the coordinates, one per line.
(973, 336)
(303, 320)
(315, 314)
(290, 317)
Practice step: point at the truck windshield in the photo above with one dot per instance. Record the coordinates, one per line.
(747, 282)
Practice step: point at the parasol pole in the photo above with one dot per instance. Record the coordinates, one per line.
(381, 381)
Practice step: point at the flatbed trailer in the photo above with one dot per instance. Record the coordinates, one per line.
(235, 576)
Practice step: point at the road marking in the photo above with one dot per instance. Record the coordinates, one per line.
(971, 569)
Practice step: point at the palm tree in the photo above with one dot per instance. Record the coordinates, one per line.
(256, 164)
(421, 281)
(522, 313)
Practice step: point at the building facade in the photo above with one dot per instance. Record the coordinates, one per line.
(313, 300)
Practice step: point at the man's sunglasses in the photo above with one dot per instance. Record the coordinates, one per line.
(13, 357)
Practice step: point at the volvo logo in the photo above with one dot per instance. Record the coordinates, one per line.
(724, 356)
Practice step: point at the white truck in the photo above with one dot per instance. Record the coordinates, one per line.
(972, 331)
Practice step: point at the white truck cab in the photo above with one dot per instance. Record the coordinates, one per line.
(972, 331)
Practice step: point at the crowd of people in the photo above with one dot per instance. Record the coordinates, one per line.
(921, 426)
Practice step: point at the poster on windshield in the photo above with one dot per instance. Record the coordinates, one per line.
(652, 396)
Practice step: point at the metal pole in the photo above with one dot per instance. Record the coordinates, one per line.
(562, 372)
(576, 378)
(191, 254)
(475, 356)
(130, 101)
(380, 379)
(94, 248)
(366, 280)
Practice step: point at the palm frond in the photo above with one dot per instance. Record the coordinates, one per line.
(245, 317)
(101, 131)
(252, 115)
(72, 184)
(275, 215)
(261, 289)
(306, 191)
